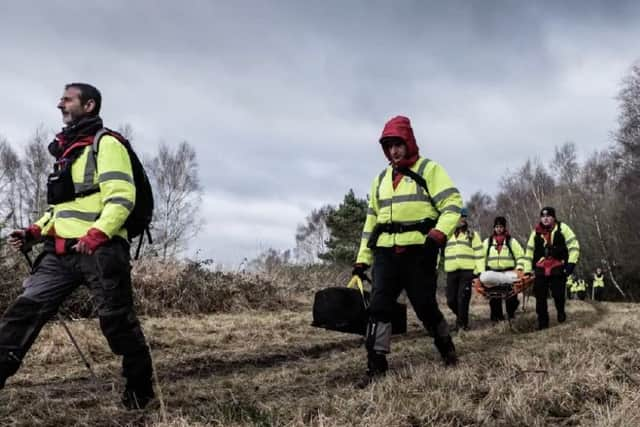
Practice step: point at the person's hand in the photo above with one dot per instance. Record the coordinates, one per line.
(437, 237)
(24, 238)
(88, 243)
(359, 269)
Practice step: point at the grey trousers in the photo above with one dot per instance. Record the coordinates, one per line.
(107, 273)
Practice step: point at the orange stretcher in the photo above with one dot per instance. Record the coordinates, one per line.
(504, 290)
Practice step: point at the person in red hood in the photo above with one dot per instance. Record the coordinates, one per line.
(413, 207)
(553, 251)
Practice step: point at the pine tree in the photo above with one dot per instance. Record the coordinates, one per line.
(345, 224)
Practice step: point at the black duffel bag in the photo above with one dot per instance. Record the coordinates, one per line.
(345, 310)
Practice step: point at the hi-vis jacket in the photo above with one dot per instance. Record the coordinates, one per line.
(464, 252)
(505, 259)
(579, 286)
(564, 247)
(408, 204)
(598, 281)
(107, 209)
(571, 283)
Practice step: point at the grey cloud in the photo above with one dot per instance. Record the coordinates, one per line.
(284, 101)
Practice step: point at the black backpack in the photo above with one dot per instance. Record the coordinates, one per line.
(139, 220)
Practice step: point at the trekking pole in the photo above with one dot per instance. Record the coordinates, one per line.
(25, 252)
(75, 344)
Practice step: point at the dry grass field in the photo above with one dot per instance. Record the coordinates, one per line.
(263, 368)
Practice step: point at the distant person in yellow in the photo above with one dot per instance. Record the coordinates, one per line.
(552, 252)
(598, 284)
(572, 287)
(502, 253)
(413, 207)
(463, 260)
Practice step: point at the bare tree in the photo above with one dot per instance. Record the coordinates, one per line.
(10, 205)
(177, 193)
(311, 238)
(33, 175)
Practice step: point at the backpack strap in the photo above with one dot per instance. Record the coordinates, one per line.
(489, 243)
(419, 179)
(508, 243)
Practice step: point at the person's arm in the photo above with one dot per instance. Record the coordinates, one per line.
(518, 254)
(445, 196)
(365, 254)
(478, 252)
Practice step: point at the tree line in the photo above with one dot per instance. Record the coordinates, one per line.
(173, 172)
(598, 197)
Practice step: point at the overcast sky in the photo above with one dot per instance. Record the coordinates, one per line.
(284, 101)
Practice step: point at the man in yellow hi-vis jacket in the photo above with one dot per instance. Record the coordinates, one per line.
(463, 259)
(90, 196)
(413, 206)
(553, 250)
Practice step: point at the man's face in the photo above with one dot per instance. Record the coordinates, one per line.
(397, 150)
(71, 106)
(499, 229)
(598, 271)
(547, 220)
(462, 222)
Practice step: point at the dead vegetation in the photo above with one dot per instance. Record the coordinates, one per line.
(269, 367)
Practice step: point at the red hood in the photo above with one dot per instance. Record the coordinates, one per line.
(400, 127)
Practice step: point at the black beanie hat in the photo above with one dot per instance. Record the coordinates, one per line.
(500, 220)
(549, 211)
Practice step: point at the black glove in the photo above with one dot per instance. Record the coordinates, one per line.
(568, 268)
(359, 270)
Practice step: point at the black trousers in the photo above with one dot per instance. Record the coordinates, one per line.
(414, 271)
(598, 293)
(459, 295)
(107, 273)
(511, 304)
(556, 283)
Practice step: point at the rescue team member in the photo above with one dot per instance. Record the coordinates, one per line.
(552, 251)
(84, 242)
(502, 253)
(413, 206)
(572, 287)
(463, 260)
(598, 284)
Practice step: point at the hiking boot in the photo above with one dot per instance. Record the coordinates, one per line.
(377, 367)
(137, 398)
(562, 317)
(447, 350)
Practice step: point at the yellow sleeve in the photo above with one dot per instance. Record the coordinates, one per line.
(478, 253)
(445, 196)
(573, 246)
(115, 177)
(518, 254)
(365, 255)
(527, 262)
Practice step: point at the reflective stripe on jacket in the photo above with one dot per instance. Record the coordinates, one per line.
(108, 208)
(598, 281)
(503, 260)
(409, 203)
(464, 252)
